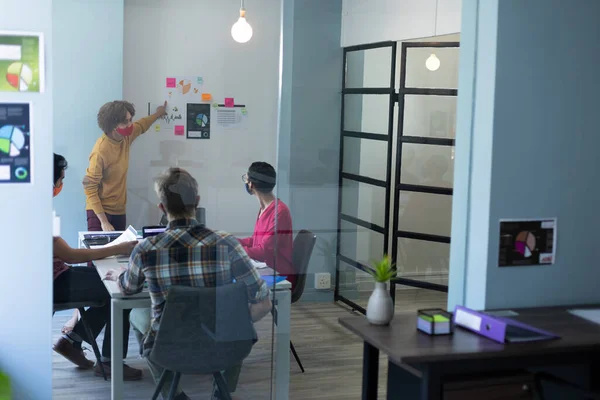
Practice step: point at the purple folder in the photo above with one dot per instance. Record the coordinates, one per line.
(499, 329)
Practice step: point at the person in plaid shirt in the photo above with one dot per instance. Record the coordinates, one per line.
(187, 254)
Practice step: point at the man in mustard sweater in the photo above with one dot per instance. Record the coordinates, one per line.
(105, 181)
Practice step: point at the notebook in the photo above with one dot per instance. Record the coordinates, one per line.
(271, 280)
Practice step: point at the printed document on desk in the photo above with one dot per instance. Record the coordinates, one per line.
(129, 235)
(259, 264)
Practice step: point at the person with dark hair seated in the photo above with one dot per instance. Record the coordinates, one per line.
(272, 239)
(83, 284)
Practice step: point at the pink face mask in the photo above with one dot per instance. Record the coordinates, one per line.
(125, 131)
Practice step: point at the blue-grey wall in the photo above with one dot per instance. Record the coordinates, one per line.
(88, 72)
(25, 240)
(545, 153)
(533, 148)
(308, 147)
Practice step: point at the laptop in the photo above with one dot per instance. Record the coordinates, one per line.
(149, 231)
(99, 239)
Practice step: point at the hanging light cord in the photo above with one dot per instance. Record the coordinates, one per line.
(437, 3)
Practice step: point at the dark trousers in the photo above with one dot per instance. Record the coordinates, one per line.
(117, 221)
(81, 284)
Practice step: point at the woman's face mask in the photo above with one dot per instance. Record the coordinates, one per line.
(56, 190)
(127, 131)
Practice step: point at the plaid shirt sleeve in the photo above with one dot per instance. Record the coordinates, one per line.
(132, 280)
(243, 271)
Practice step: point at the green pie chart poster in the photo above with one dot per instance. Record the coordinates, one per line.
(20, 67)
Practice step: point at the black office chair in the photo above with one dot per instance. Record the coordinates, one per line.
(203, 331)
(304, 243)
(81, 307)
(200, 217)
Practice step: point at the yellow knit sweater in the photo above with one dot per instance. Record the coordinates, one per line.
(105, 181)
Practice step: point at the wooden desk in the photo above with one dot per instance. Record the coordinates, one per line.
(419, 364)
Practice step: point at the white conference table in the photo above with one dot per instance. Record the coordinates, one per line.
(281, 295)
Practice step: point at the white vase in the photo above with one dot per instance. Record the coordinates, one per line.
(380, 309)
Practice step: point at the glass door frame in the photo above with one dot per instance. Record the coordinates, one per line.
(398, 186)
(387, 184)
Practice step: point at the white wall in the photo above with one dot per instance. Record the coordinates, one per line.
(25, 241)
(370, 21)
(99, 79)
(192, 37)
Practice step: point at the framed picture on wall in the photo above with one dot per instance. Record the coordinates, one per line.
(21, 62)
(527, 242)
(15, 143)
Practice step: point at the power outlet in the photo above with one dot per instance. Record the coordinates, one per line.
(322, 280)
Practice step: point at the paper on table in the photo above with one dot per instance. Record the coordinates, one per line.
(129, 235)
(259, 265)
(592, 315)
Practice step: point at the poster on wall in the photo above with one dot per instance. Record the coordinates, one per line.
(527, 242)
(198, 121)
(21, 62)
(179, 91)
(15, 151)
(234, 117)
(167, 123)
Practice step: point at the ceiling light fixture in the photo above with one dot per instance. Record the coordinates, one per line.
(241, 31)
(433, 62)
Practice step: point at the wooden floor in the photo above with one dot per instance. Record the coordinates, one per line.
(331, 356)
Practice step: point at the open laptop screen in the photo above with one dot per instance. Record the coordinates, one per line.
(148, 231)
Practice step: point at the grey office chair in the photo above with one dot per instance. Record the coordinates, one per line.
(203, 331)
(304, 243)
(200, 217)
(81, 307)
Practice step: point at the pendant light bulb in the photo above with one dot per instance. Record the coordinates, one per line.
(241, 31)
(432, 63)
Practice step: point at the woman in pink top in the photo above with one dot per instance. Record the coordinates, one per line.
(272, 239)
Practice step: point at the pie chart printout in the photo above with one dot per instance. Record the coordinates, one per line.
(525, 244)
(12, 140)
(19, 76)
(15, 163)
(198, 121)
(201, 120)
(21, 62)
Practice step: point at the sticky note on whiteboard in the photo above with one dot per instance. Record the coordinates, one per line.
(206, 97)
(229, 102)
(179, 130)
(171, 82)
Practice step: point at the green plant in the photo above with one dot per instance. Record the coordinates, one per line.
(383, 270)
(4, 387)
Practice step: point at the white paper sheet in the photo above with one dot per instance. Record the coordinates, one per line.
(592, 315)
(230, 118)
(259, 265)
(129, 235)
